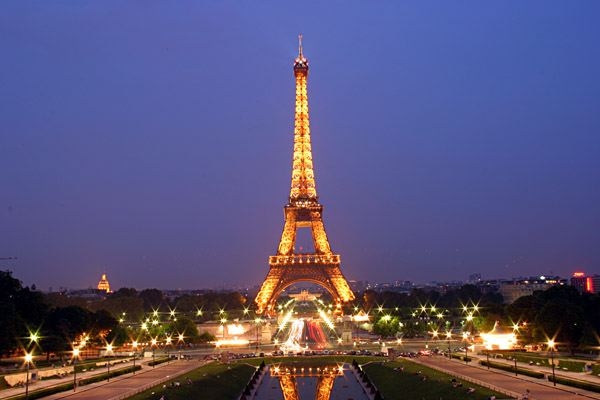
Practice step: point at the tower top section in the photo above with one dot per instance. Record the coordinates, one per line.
(303, 191)
(301, 63)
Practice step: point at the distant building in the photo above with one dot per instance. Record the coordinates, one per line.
(103, 284)
(512, 290)
(584, 283)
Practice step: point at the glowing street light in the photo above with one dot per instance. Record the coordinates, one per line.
(153, 342)
(134, 346)
(33, 337)
(223, 321)
(109, 349)
(465, 336)
(551, 345)
(75, 357)
(28, 357)
(257, 321)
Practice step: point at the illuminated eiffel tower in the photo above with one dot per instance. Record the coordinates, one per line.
(303, 210)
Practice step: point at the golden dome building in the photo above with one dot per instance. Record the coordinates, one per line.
(103, 284)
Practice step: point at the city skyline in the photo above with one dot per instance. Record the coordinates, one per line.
(154, 143)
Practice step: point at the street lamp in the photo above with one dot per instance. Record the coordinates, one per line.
(168, 342)
(180, 343)
(109, 348)
(465, 336)
(223, 320)
(134, 346)
(551, 347)
(75, 356)
(153, 347)
(28, 358)
(448, 338)
(257, 321)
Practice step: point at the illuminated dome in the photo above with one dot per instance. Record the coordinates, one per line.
(103, 284)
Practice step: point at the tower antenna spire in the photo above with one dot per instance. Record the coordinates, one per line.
(300, 46)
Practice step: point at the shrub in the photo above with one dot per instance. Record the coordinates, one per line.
(592, 387)
(511, 368)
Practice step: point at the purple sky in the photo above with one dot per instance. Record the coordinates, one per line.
(152, 140)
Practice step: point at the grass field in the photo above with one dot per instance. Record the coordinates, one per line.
(429, 384)
(544, 360)
(212, 381)
(218, 381)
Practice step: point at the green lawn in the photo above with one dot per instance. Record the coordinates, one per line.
(212, 381)
(544, 360)
(409, 384)
(219, 381)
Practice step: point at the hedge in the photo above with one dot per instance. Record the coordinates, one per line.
(511, 368)
(158, 361)
(592, 387)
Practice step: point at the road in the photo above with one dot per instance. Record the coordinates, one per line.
(127, 385)
(539, 389)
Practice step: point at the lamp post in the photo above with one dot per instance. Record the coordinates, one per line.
(551, 346)
(134, 346)
(487, 356)
(257, 321)
(223, 320)
(28, 358)
(168, 342)
(448, 337)
(75, 356)
(153, 348)
(465, 338)
(180, 342)
(109, 348)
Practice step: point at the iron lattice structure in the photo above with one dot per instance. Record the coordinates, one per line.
(303, 210)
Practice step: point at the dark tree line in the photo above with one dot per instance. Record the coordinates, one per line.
(24, 312)
(560, 313)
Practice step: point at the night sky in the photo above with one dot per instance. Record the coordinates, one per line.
(152, 140)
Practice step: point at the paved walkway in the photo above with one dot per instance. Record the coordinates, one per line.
(540, 389)
(41, 384)
(124, 386)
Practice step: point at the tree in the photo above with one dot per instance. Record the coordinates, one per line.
(185, 327)
(8, 312)
(387, 326)
(63, 326)
(152, 299)
(21, 309)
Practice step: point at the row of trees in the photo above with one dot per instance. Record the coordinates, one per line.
(27, 320)
(560, 313)
(56, 320)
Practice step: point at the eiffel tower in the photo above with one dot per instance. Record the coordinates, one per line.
(303, 210)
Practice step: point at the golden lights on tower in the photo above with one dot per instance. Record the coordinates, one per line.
(303, 211)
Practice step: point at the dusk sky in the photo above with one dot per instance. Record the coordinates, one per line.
(153, 140)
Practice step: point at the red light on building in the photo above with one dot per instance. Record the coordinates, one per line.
(578, 274)
(589, 285)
